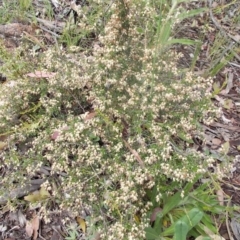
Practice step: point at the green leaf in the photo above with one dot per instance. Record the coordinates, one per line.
(158, 223)
(225, 148)
(164, 32)
(216, 88)
(221, 64)
(183, 136)
(171, 203)
(192, 218)
(181, 230)
(191, 13)
(203, 238)
(183, 41)
(151, 234)
(208, 223)
(82, 223)
(152, 193)
(37, 196)
(175, 200)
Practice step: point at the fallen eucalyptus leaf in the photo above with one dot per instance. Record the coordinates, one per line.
(35, 225)
(36, 196)
(81, 223)
(220, 197)
(29, 229)
(235, 226)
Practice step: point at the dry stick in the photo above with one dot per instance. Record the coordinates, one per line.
(49, 31)
(138, 158)
(135, 154)
(49, 24)
(234, 64)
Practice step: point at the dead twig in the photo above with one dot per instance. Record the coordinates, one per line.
(49, 31)
(52, 25)
(135, 154)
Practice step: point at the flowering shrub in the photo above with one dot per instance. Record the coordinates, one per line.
(112, 124)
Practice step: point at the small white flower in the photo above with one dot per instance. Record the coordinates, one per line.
(182, 194)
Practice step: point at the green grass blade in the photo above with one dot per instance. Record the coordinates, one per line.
(191, 13)
(151, 234)
(220, 65)
(181, 230)
(192, 218)
(183, 41)
(172, 202)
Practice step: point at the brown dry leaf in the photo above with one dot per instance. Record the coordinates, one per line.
(236, 38)
(90, 116)
(41, 74)
(220, 196)
(154, 214)
(3, 136)
(135, 154)
(2, 145)
(216, 143)
(57, 133)
(35, 226)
